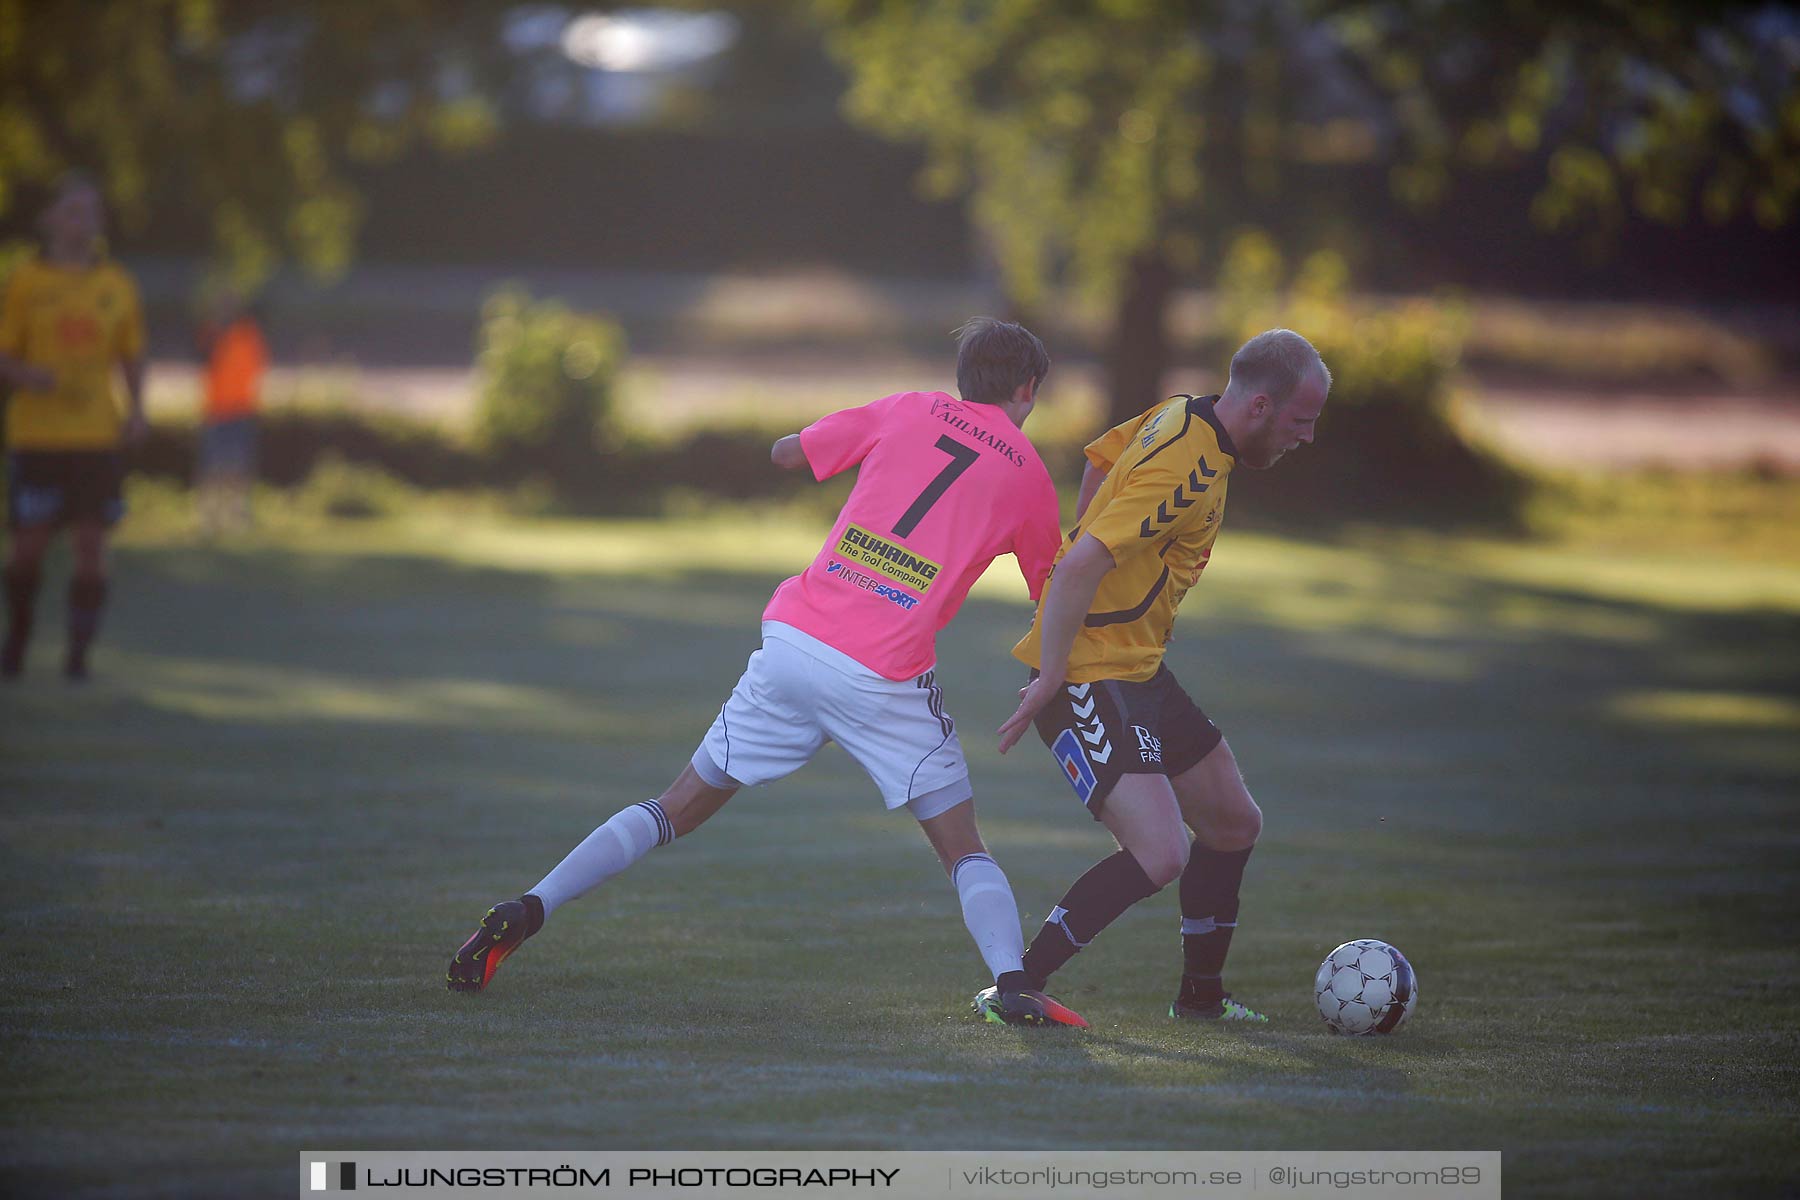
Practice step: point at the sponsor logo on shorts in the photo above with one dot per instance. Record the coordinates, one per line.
(1149, 745)
(1075, 765)
(869, 583)
(894, 562)
(1087, 721)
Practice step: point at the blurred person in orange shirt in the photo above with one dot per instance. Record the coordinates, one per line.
(236, 358)
(70, 317)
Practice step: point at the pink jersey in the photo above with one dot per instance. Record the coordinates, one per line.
(945, 488)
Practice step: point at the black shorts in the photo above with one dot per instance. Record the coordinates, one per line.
(55, 487)
(1103, 730)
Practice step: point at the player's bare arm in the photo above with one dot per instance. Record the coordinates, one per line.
(1091, 479)
(1066, 604)
(787, 453)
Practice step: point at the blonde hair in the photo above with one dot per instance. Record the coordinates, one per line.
(1275, 363)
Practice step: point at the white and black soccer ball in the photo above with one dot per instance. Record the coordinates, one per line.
(1365, 987)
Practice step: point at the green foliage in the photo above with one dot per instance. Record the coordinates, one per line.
(356, 464)
(1076, 134)
(1399, 360)
(1087, 135)
(1585, 344)
(1663, 107)
(1390, 438)
(249, 113)
(343, 490)
(295, 443)
(1749, 515)
(548, 380)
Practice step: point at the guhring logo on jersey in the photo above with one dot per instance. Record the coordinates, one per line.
(884, 557)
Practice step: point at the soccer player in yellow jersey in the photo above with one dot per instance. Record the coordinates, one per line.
(68, 319)
(1139, 753)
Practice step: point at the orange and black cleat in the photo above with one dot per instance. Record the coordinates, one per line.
(1024, 1007)
(1060, 1013)
(502, 931)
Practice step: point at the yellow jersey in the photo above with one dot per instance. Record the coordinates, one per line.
(76, 323)
(1157, 512)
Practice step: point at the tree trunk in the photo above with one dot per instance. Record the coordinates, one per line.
(1138, 357)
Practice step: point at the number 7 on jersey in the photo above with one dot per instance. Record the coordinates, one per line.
(962, 457)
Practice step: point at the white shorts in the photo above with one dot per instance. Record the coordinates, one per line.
(797, 693)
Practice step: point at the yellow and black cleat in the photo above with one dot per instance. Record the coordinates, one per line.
(503, 930)
(1225, 1009)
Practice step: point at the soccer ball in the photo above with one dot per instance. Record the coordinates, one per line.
(1365, 987)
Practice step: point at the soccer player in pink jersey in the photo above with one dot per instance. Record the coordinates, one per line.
(945, 486)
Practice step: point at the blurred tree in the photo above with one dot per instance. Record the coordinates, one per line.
(251, 112)
(1121, 143)
(1663, 106)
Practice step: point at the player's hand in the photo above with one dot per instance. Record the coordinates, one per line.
(1032, 699)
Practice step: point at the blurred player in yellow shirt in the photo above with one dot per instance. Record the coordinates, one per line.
(1140, 754)
(69, 318)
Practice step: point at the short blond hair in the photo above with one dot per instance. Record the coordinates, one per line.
(1275, 363)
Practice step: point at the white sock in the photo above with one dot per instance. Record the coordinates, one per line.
(627, 837)
(990, 912)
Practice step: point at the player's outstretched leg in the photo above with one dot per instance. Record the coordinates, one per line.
(621, 841)
(503, 930)
(626, 837)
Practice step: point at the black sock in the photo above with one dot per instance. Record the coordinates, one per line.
(87, 596)
(1209, 913)
(21, 607)
(534, 913)
(1096, 900)
(1012, 981)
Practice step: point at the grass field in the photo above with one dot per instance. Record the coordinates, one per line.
(1565, 781)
